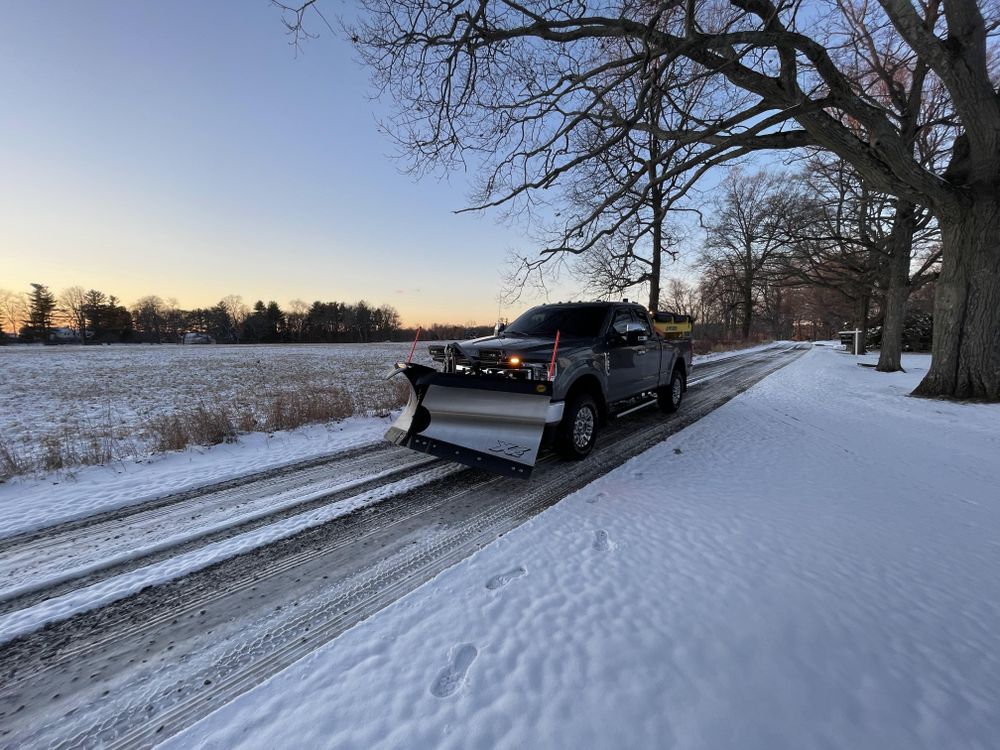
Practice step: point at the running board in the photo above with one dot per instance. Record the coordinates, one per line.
(643, 405)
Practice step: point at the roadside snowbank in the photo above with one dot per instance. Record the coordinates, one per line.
(814, 565)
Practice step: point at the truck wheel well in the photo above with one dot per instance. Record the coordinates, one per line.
(682, 367)
(590, 384)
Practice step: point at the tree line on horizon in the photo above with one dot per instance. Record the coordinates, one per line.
(92, 316)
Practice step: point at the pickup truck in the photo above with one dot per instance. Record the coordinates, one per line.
(499, 399)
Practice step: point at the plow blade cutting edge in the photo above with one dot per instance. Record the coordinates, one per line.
(485, 422)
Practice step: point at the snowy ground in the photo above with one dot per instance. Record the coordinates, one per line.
(74, 401)
(813, 565)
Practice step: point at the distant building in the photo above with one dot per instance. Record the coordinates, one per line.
(193, 337)
(64, 335)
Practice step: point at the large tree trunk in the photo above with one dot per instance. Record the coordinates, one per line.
(965, 361)
(898, 289)
(656, 199)
(655, 265)
(747, 297)
(747, 315)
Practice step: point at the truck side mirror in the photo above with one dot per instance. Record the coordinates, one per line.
(635, 334)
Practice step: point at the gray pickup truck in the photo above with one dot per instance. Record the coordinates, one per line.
(498, 400)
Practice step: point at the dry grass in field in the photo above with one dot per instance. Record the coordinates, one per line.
(202, 425)
(219, 423)
(390, 395)
(73, 406)
(211, 424)
(289, 410)
(11, 461)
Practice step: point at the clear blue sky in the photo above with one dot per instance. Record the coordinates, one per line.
(181, 149)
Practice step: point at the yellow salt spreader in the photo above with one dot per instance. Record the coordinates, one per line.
(673, 325)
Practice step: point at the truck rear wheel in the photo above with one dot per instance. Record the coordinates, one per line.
(577, 432)
(669, 398)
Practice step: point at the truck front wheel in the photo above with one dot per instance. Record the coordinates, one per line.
(578, 430)
(669, 398)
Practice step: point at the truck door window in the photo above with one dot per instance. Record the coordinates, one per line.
(623, 317)
(643, 320)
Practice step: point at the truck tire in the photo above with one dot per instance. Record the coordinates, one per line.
(577, 431)
(669, 398)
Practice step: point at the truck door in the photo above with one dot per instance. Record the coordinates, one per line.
(628, 363)
(650, 361)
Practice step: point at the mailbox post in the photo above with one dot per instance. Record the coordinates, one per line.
(852, 340)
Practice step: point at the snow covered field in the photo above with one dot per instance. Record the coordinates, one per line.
(62, 408)
(813, 565)
(75, 404)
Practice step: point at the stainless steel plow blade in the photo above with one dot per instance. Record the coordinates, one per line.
(490, 423)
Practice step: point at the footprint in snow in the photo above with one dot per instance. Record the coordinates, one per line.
(499, 581)
(601, 542)
(452, 676)
(597, 496)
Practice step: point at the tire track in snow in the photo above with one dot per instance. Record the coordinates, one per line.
(65, 559)
(158, 501)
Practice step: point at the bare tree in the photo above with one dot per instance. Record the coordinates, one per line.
(149, 317)
(509, 82)
(617, 202)
(295, 318)
(237, 309)
(13, 310)
(682, 297)
(73, 302)
(892, 74)
(846, 237)
(745, 237)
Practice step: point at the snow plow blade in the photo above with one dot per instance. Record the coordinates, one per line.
(485, 422)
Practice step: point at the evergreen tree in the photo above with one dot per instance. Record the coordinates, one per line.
(94, 304)
(41, 306)
(275, 319)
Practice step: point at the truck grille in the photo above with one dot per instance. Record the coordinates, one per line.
(437, 354)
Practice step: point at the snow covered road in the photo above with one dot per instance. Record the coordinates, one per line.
(140, 668)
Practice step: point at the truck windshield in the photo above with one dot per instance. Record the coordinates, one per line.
(578, 321)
